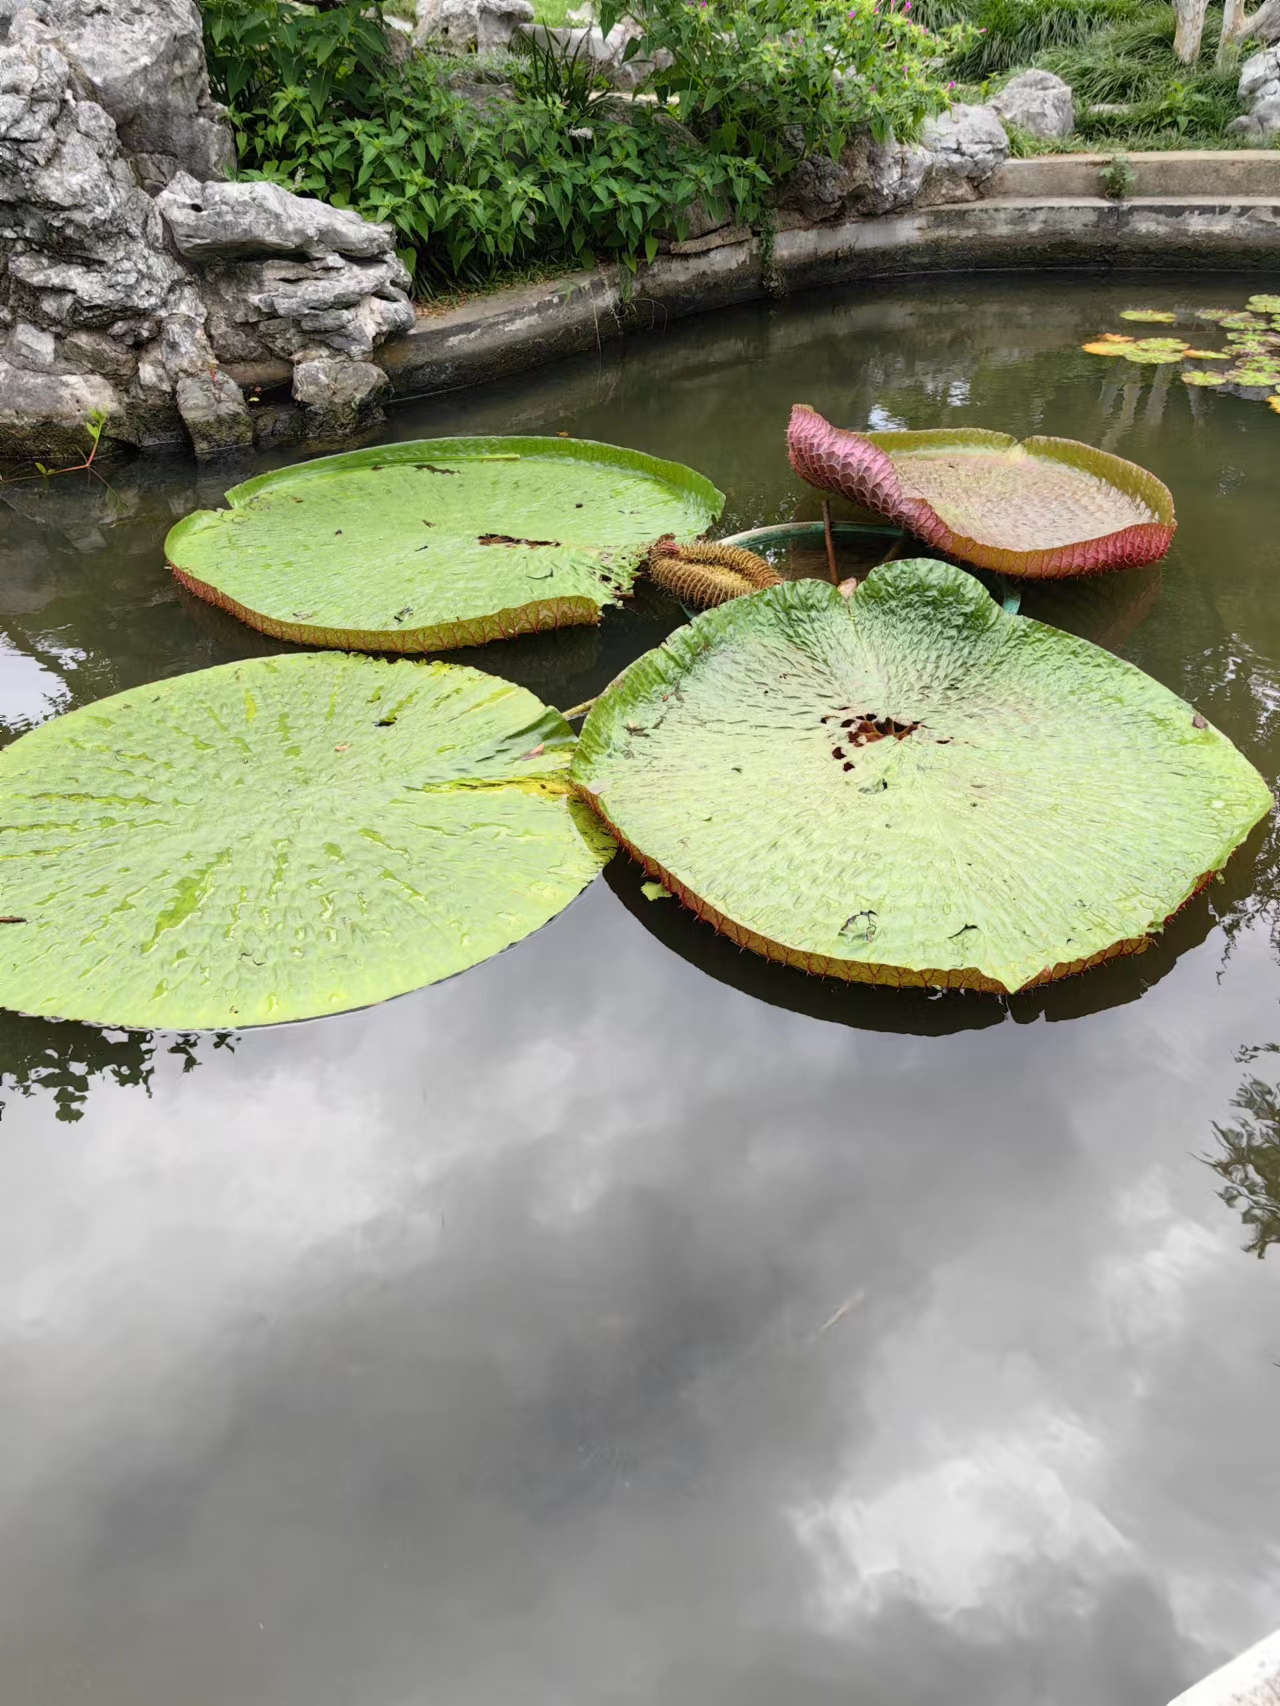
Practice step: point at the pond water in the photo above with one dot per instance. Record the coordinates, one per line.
(627, 1321)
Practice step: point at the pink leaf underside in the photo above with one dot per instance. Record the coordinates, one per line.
(1118, 527)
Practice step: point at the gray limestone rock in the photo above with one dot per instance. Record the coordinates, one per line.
(340, 399)
(213, 222)
(485, 25)
(965, 145)
(214, 413)
(1038, 103)
(1260, 76)
(49, 411)
(887, 175)
(1260, 125)
(869, 178)
(280, 307)
(143, 62)
(1260, 89)
(114, 300)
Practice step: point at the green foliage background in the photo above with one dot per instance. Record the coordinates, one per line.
(479, 189)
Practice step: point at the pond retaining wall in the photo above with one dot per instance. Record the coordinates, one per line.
(514, 330)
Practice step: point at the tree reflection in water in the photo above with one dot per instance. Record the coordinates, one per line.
(59, 1060)
(1249, 1157)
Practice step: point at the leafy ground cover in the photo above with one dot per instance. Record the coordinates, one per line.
(478, 188)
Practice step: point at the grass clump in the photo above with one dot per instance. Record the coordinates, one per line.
(1115, 54)
(1014, 33)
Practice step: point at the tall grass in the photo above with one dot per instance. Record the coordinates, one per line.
(1020, 32)
(1132, 64)
(1113, 53)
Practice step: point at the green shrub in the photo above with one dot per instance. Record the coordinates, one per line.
(773, 79)
(317, 106)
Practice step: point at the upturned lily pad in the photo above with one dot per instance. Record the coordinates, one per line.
(1206, 355)
(1149, 316)
(911, 786)
(279, 839)
(1047, 507)
(1106, 346)
(444, 542)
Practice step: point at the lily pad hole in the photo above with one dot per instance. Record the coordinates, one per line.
(856, 729)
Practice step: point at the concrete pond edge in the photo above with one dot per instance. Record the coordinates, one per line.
(1252, 1679)
(513, 331)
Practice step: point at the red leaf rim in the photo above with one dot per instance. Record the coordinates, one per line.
(860, 467)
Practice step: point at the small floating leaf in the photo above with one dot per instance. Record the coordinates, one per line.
(281, 838)
(523, 534)
(1149, 316)
(655, 891)
(1154, 353)
(1206, 355)
(1047, 507)
(941, 794)
(1116, 338)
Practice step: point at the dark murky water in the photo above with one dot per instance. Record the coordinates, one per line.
(626, 1322)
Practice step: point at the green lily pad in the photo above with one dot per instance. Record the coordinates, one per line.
(444, 542)
(1155, 352)
(1256, 381)
(1264, 304)
(912, 786)
(279, 839)
(1197, 378)
(1217, 315)
(1149, 316)
(1243, 323)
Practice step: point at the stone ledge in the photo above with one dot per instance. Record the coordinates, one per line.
(1185, 172)
(1253, 1679)
(515, 330)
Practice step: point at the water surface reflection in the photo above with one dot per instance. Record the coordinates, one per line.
(627, 1321)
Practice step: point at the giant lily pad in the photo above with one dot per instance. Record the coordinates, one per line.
(281, 838)
(913, 787)
(444, 542)
(1047, 507)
